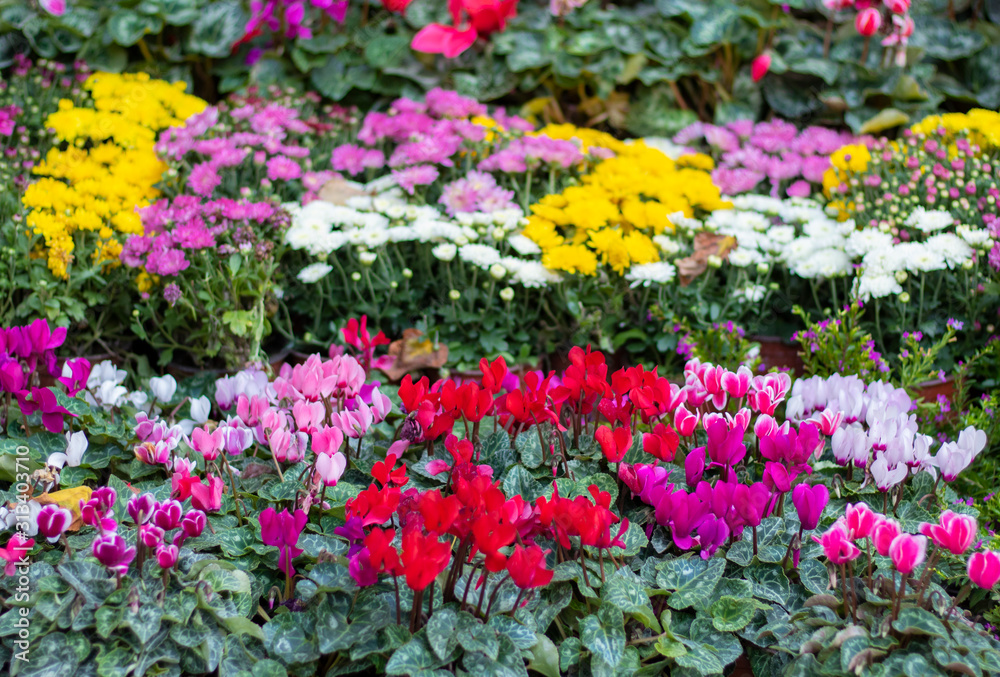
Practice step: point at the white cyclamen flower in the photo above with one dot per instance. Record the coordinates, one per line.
(163, 387)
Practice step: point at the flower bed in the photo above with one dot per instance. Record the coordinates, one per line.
(470, 390)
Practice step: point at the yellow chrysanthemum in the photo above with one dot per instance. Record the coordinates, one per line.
(109, 167)
(571, 258)
(619, 205)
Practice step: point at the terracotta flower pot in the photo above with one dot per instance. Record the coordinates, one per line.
(778, 353)
(930, 391)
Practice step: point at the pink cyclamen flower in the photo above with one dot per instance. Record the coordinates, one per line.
(884, 533)
(954, 532)
(908, 552)
(15, 552)
(53, 521)
(984, 569)
(810, 503)
(868, 21)
(736, 384)
(208, 444)
(860, 520)
(837, 545)
(54, 7)
(207, 497)
(329, 468)
(760, 66)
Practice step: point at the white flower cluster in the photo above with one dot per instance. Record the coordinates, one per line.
(489, 241)
(799, 234)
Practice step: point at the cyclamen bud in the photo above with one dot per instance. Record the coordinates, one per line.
(868, 22)
(760, 66)
(984, 569)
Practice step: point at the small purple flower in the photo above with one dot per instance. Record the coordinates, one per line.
(955, 324)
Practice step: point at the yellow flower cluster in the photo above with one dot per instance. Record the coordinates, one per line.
(612, 216)
(980, 126)
(108, 168)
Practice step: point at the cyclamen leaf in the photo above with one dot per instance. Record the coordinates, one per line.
(730, 614)
(604, 634)
(412, 657)
(625, 590)
(915, 621)
(530, 448)
(441, 632)
(691, 580)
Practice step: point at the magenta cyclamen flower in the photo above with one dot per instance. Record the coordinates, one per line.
(53, 521)
(810, 501)
(44, 400)
(282, 530)
(112, 551)
(954, 532)
(142, 507)
(837, 544)
(984, 569)
(908, 552)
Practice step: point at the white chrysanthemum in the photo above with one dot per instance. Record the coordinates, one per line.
(681, 221)
(668, 245)
(360, 202)
(480, 255)
(977, 237)
(826, 263)
(533, 274)
(646, 274)
(720, 219)
(877, 286)
(742, 257)
(524, 246)
(314, 272)
(860, 242)
(445, 252)
(664, 145)
(918, 257)
(367, 237)
(401, 234)
(386, 185)
(753, 221)
(751, 294)
(929, 220)
(396, 212)
(781, 234)
(327, 244)
(417, 212)
(508, 218)
(799, 249)
(952, 248)
(429, 230)
(883, 261)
